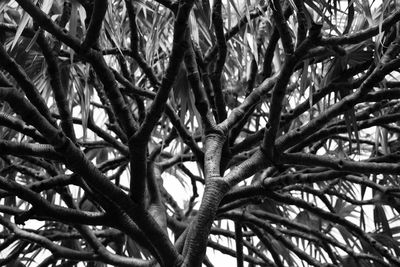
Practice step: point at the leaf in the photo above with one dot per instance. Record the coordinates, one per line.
(252, 45)
(80, 74)
(82, 17)
(46, 6)
(326, 19)
(135, 250)
(349, 261)
(32, 42)
(181, 92)
(350, 16)
(304, 83)
(26, 18)
(384, 141)
(347, 237)
(112, 33)
(388, 242)
(235, 8)
(281, 250)
(102, 156)
(367, 11)
(384, 6)
(194, 29)
(293, 5)
(310, 220)
(3, 5)
(380, 220)
(73, 25)
(205, 14)
(73, 22)
(229, 12)
(247, 14)
(15, 263)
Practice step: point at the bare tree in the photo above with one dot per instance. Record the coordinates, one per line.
(277, 119)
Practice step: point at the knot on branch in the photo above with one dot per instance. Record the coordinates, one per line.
(59, 140)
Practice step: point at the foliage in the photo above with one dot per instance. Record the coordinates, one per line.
(137, 133)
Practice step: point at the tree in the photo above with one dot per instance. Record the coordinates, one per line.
(279, 119)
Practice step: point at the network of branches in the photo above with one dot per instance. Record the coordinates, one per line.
(181, 133)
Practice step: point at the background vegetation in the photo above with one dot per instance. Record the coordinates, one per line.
(141, 133)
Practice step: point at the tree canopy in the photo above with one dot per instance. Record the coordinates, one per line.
(158, 133)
